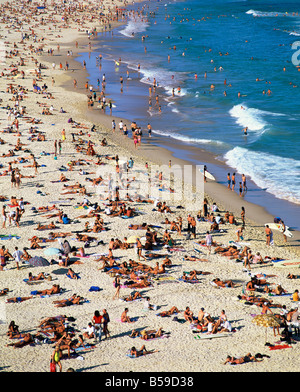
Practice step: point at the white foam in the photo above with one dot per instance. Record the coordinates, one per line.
(279, 176)
(187, 139)
(135, 25)
(248, 117)
(251, 117)
(267, 14)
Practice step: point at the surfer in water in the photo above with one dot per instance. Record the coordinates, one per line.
(245, 131)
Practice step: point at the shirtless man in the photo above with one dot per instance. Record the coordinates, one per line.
(124, 317)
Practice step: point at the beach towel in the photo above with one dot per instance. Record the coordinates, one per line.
(279, 347)
(9, 237)
(135, 300)
(33, 281)
(69, 276)
(189, 281)
(94, 288)
(84, 349)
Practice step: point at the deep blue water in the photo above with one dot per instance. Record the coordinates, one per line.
(233, 41)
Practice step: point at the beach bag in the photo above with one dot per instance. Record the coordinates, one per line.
(52, 367)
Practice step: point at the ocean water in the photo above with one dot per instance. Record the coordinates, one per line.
(229, 67)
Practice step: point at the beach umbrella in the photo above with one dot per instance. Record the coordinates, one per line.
(52, 252)
(267, 321)
(38, 261)
(132, 239)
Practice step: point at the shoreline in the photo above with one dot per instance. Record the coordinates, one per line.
(217, 191)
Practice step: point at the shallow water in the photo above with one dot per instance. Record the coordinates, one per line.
(229, 41)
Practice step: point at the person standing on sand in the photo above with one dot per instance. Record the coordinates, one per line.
(241, 189)
(268, 232)
(283, 230)
(2, 258)
(56, 356)
(243, 216)
(4, 213)
(208, 241)
(17, 256)
(105, 321)
(244, 183)
(228, 180)
(233, 181)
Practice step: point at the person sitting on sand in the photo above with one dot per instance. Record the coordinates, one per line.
(25, 256)
(188, 315)
(13, 330)
(124, 317)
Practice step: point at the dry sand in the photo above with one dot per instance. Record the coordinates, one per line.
(180, 352)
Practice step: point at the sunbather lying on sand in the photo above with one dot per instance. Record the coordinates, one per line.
(247, 358)
(74, 300)
(55, 289)
(143, 351)
(27, 339)
(225, 283)
(169, 312)
(132, 297)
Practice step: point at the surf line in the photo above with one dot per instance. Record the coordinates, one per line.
(121, 382)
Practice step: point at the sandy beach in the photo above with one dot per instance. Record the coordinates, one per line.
(62, 181)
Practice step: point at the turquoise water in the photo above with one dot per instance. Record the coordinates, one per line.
(234, 43)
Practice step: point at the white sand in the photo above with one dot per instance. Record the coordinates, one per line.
(181, 352)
